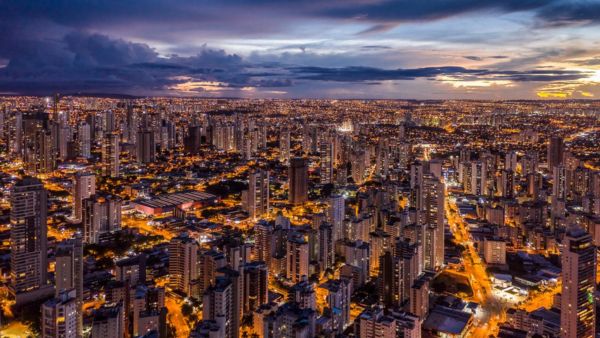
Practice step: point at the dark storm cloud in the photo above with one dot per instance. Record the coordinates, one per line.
(570, 12)
(358, 74)
(83, 62)
(48, 46)
(249, 17)
(408, 10)
(473, 57)
(481, 58)
(94, 62)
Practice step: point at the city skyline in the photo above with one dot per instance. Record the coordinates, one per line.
(536, 49)
(300, 169)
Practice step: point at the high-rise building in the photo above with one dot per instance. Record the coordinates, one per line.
(303, 294)
(62, 136)
(411, 254)
(263, 247)
(145, 146)
(69, 274)
(149, 313)
(110, 155)
(298, 180)
(510, 161)
(101, 215)
(479, 175)
(131, 119)
(28, 241)
(2, 121)
(85, 140)
(326, 150)
(218, 306)
(84, 186)
(183, 263)
(108, 122)
(559, 186)
(336, 215)
(326, 247)
(256, 198)
(431, 215)
(390, 281)
(534, 185)
(167, 135)
(507, 183)
(383, 158)
(373, 323)
(16, 134)
(297, 259)
(284, 146)
(289, 321)
(193, 140)
(109, 321)
(578, 306)
(237, 294)
(131, 270)
(256, 285)
(357, 256)
(339, 292)
(407, 324)
(419, 297)
(556, 149)
(358, 166)
(39, 143)
(209, 263)
(60, 316)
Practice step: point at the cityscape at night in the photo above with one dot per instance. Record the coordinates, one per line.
(274, 169)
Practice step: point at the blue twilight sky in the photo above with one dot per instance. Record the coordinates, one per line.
(488, 49)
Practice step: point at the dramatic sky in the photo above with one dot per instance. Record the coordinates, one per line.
(489, 49)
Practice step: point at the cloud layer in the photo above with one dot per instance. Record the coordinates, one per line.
(264, 48)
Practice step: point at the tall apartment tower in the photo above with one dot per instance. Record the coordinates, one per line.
(84, 136)
(101, 215)
(69, 275)
(284, 146)
(110, 155)
(256, 199)
(108, 122)
(336, 215)
(208, 264)
(559, 186)
(59, 316)
(556, 149)
(28, 241)
(479, 174)
(578, 308)
(16, 134)
(109, 321)
(339, 292)
(84, 186)
(326, 150)
(297, 259)
(218, 306)
(298, 181)
(326, 246)
(145, 146)
(373, 323)
(256, 285)
(183, 263)
(431, 215)
(263, 242)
